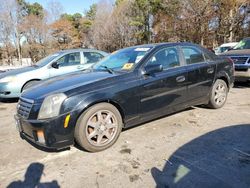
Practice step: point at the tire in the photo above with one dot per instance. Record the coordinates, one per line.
(29, 84)
(218, 95)
(98, 127)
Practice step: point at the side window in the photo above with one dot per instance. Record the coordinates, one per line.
(207, 57)
(69, 60)
(92, 57)
(167, 57)
(193, 55)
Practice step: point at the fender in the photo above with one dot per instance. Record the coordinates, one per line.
(224, 76)
(35, 79)
(83, 102)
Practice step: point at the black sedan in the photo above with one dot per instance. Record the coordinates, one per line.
(127, 88)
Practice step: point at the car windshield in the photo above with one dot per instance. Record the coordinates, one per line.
(222, 49)
(47, 60)
(122, 60)
(244, 44)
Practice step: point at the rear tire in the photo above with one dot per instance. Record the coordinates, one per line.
(218, 95)
(98, 127)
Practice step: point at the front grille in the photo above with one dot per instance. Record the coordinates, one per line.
(240, 60)
(24, 107)
(241, 70)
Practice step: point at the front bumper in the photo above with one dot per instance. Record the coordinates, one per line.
(9, 90)
(242, 73)
(54, 134)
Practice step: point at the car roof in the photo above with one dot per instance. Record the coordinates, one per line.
(229, 44)
(164, 44)
(80, 50)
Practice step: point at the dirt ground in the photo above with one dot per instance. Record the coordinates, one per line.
(198, 147)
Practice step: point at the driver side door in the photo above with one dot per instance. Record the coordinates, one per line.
(68, 63)
(163, 91)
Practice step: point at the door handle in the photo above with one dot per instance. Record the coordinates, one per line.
(180, 79)
(210, 70)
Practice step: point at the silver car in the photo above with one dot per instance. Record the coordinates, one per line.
(14, 82)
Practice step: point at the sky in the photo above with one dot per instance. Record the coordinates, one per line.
(69, 6)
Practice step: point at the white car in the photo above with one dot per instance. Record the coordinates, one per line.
(14, 82)
(225, 47)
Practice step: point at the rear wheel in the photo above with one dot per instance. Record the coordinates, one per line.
(98, 127)
(218, 96)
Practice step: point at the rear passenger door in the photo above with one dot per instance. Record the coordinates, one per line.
(200, 71)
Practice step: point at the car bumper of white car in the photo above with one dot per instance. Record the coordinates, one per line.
(9, 91)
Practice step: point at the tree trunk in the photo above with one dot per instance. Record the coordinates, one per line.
(18, 46)
(231, 33)
(19, 54)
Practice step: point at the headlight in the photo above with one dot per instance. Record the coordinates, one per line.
(51, 106)
(8, 79)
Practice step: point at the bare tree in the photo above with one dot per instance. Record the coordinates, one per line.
(54, 10)
(36, 34)
(100, 29)
(10, 24)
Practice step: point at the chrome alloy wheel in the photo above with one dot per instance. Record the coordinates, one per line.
(220, 94)
(101, 128)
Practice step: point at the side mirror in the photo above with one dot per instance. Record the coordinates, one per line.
(151, 69)
(55, 65)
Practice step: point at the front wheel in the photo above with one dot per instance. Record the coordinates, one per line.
(98, 127)
(218, 96)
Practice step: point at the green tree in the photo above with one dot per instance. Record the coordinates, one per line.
(35, 9)
(26, 8)
(66, 16)
(91, 13)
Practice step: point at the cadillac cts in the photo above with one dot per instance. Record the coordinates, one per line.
(127, 88)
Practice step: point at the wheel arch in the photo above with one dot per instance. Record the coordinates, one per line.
(82, 109)
(35, 79)
(223, 76)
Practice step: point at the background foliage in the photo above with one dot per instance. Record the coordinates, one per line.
(31, 31)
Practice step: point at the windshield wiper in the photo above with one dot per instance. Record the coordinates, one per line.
(111, 71)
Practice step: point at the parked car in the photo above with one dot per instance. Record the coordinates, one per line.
(225, 47)
(129, 87)
(240, 54)
(14, 82)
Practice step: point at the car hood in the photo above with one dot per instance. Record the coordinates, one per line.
(64, 83)
(15, 72)
(237, 52)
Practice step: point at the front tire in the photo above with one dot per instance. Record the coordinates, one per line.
(218, 96)
(98, 127)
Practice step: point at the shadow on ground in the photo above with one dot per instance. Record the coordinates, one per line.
(241, 85)
(14, 100)
(32, 178)
(218, 159)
